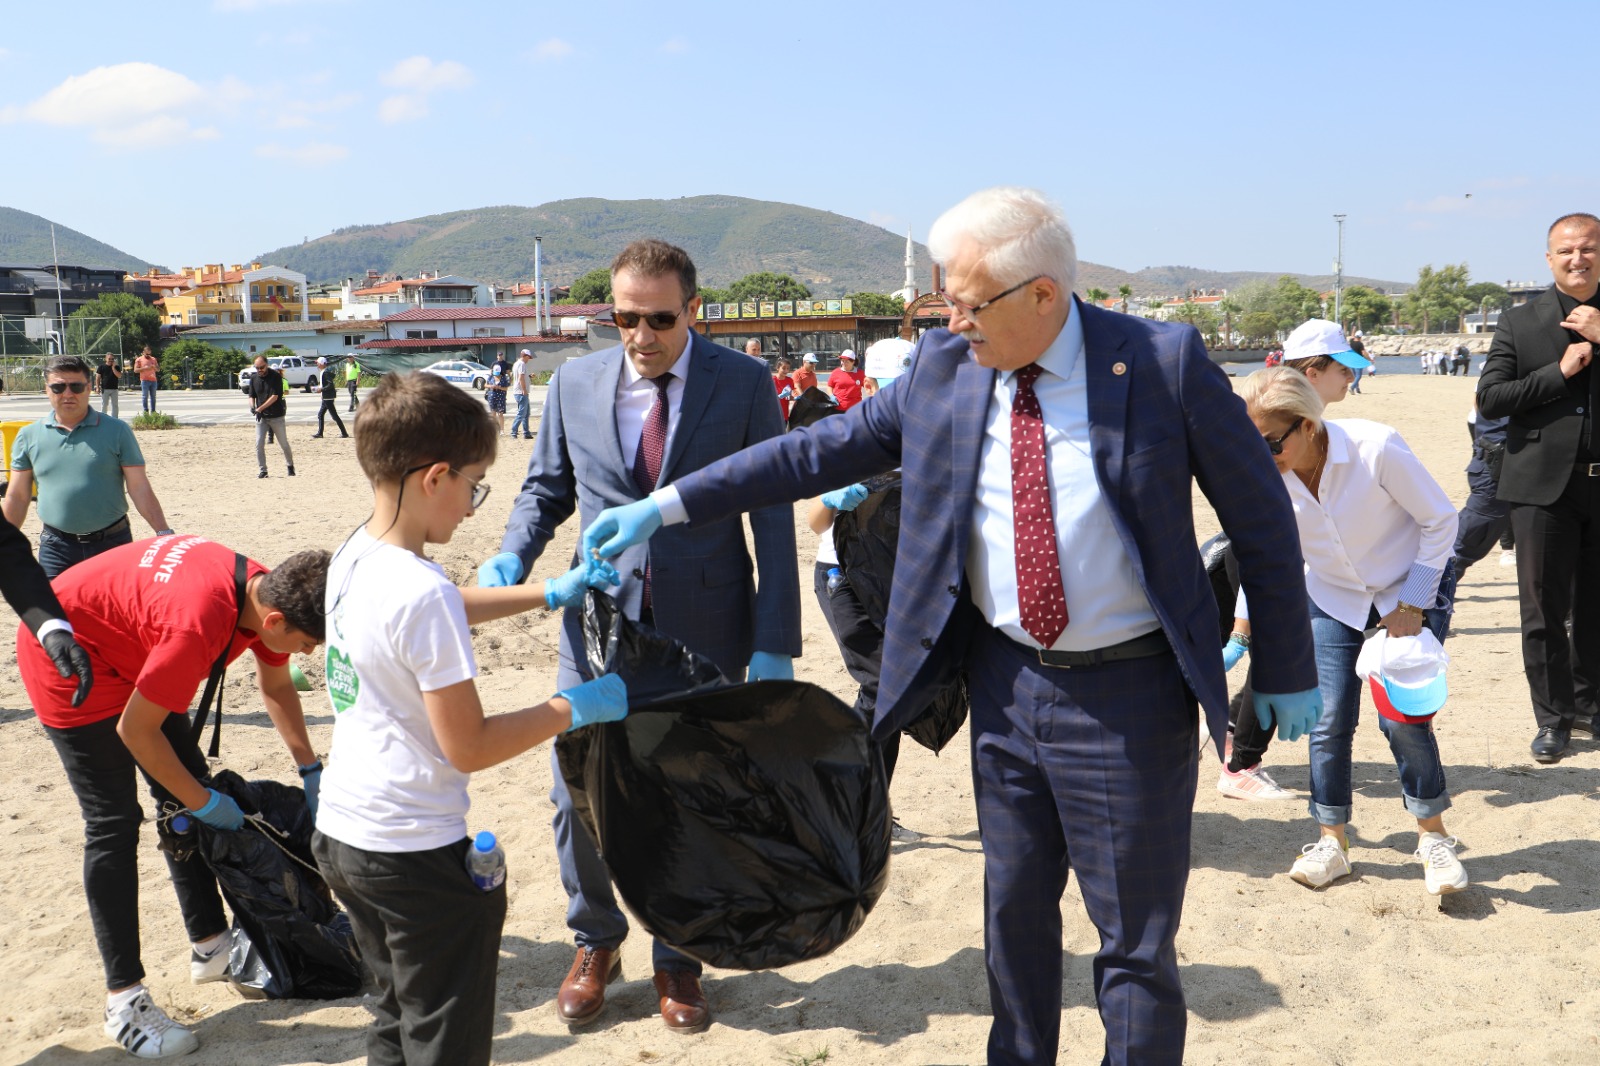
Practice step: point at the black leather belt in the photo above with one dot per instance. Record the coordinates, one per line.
(1144, 647)
(90, 538)
(1587, 469)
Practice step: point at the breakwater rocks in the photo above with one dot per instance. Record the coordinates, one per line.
(1416, 344)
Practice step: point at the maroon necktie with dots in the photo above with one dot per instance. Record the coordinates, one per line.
(652, 447)
(1039, 592)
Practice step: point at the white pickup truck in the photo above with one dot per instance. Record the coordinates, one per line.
(298, 372)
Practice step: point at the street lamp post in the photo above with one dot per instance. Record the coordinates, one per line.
(1338, 277)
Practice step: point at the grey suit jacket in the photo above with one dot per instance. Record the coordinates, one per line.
(703, 588)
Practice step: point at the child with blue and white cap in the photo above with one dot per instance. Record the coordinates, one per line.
(1319, 350)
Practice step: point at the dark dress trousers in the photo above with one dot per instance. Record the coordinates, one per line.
(1092, 768)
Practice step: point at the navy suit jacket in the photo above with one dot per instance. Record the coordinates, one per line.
(1161, 415)
(703, 588)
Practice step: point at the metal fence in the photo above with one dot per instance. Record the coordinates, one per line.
(27, 341)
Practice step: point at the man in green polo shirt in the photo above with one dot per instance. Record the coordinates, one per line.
(88, 466)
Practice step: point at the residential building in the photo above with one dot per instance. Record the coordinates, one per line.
(379, 298)
(36, 290)
(332, 339)
(244, 295)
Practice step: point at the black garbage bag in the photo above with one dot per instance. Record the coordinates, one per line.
(810, 406)
(745, 825)
(290, 939)
(1217, 555)
(866, 541)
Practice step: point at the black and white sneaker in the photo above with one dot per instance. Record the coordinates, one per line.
(145, 1032)
(204, 969)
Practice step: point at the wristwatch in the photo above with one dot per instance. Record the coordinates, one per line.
(163, 532)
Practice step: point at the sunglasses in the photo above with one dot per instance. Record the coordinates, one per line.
(1275, 445)
(656, 320)
(58, 387)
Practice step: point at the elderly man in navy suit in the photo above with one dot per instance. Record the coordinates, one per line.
(1048, 548)
(617, 424)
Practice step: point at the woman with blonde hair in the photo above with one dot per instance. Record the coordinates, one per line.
(1377, 533)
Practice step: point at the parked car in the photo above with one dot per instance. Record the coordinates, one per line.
(461, 372)
(297, 371)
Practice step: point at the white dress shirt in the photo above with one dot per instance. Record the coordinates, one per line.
(1380, 530)
(636, 394)
(1105, 604)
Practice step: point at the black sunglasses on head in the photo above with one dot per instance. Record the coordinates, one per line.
(656, 320)
(58, 387)
(1275, 445)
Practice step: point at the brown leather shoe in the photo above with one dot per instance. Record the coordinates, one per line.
(683, 1004)
(583, 993)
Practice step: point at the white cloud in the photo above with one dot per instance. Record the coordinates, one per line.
(418, 77)
(159, 131)
(551, 50)
(311, 154)
(675, 45)
(106, 96)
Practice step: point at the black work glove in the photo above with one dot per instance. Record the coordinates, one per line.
(70, 659)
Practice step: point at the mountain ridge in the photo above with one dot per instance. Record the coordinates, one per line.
(25, 240)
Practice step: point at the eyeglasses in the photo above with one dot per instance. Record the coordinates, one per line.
(970, 311)
(480, 491)
(58, 387)
(656, 320)
(1275, 445)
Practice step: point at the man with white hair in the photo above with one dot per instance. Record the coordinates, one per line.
(1048, 549)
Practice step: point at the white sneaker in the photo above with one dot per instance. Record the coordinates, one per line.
(900, 833)
(203, 969)
(1251, 783)
(1205, 732)
(1441, 870)
(145, 1031)
(1508, 557)
(1321, 863)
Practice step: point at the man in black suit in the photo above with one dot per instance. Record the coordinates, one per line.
(26, 588)
(1539, 373)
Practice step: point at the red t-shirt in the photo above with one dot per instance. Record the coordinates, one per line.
(779, 384)
(153, 616)
(846, 387)
(147, 365)
(804, 378)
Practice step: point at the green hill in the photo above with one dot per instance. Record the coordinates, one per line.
(25, 238)
(728, 236)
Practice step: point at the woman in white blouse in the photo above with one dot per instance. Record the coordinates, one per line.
(1377, 533)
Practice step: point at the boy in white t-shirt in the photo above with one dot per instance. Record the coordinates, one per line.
(408, 730)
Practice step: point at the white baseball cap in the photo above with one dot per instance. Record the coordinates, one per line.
(525, 351)
(888, 359)
(322, 361)
(1406, 674)
(848, 354)
(809, 357)
(1321, 337)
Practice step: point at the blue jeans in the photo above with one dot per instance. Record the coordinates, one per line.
(1416, 752)
(147, 395)
(522, 416)
(56, 554)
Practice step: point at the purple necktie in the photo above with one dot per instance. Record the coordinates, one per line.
(652, 448)
(1039, 594)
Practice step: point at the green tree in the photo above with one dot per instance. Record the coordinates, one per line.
(876, 303)
(1152, 308)
(1286, 300)
(592, 288)
(208, 366)
(141, 323)
(1126, 292)
(1228, 307)
(1438, 299)
(766, 285)
(1098, 297)
(1259, 325)
(1201, 316)
(716, 296)
(1365, 308)
(1486, 296)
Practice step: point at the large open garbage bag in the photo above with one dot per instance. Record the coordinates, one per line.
(1217, 555)
(745, 825)
(290, 939)
(812, 405)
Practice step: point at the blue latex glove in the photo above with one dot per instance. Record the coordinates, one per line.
(770, 666)
(220, 812)
(568, 589)
(618, 528)
(1296, 712)
(503, 571)
(786, 393)
(605, 699)
(845, 499)
(311, 781)
(1233, 651)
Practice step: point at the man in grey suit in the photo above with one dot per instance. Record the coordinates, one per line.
(617, 424)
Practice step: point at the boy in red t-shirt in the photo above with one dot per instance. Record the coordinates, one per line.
(845, 382)
(154, 616)
(806, 377)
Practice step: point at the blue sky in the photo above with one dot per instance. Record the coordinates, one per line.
(1223, 136)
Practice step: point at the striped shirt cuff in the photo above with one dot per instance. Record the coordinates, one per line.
(1422, 586)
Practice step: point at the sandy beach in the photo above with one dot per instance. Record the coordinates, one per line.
(1371, 970)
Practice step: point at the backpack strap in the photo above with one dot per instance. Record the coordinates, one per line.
(219, 669)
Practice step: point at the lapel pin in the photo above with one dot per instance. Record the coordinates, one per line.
(1119, 368)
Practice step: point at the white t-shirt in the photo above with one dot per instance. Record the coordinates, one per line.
(519, 378)
(397, 628)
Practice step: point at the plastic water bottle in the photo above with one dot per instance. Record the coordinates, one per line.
(486, 862)
(836, 580)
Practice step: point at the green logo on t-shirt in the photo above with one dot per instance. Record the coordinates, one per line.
(343, 684)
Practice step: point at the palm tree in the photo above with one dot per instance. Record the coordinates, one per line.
(1097, 297)
(1124, 291)
(1229, 307)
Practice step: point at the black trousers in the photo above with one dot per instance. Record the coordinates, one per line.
(1558, 574)
(1250, 741)
(100, 770)
(330, 407)
(351, 385)
(861, 646)
(432, 940)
